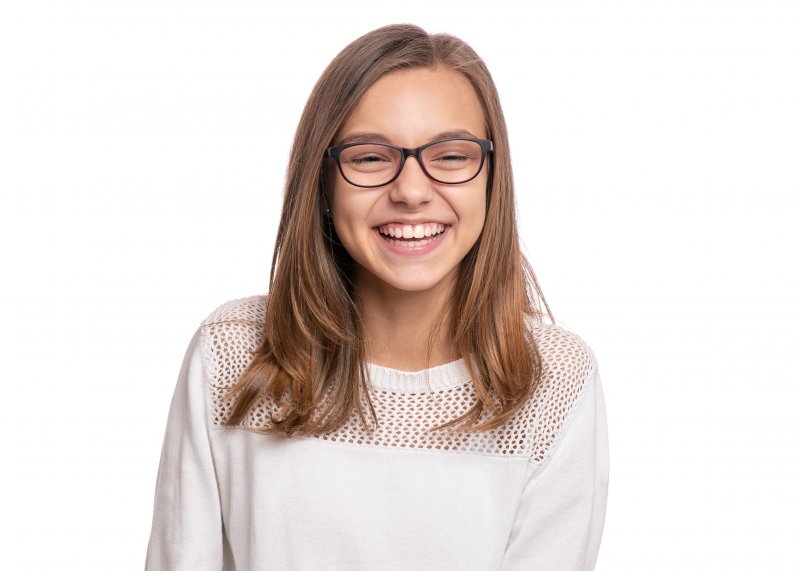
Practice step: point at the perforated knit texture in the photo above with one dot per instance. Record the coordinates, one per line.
(233, 330)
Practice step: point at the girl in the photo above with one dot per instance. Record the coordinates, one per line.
(396, 401)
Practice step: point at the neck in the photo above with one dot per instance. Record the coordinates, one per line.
(398, 325)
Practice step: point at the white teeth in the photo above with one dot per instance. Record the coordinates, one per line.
(409, 231)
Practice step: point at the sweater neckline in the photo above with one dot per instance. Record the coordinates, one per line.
(448, 375)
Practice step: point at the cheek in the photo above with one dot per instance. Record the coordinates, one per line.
(476, 225)
(472, 217)
(349, 213)
(471, 208)
(480, 206)
(338, 203)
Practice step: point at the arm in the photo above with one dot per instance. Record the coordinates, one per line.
(187, 523)
(562, 508)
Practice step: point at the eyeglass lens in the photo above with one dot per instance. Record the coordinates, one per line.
(375, 165)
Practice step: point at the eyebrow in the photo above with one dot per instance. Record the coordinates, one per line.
(364, 137)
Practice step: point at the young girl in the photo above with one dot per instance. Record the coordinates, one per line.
(396, 401)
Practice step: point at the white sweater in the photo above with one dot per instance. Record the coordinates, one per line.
(529, 495)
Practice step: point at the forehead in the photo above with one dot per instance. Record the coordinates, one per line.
(410, 107)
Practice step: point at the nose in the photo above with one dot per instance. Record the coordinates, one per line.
(412, 187)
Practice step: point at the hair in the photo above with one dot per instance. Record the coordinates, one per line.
(311, 356)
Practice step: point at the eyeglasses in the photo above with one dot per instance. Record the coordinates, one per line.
(448, 161)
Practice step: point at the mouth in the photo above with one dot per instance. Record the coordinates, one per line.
(411, 235)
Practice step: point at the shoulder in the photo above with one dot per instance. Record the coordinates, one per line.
(568, 367)
(233, 330)
(231, 333)
(251, 309)
(566, 357)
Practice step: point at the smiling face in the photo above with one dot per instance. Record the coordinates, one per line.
(412, 233)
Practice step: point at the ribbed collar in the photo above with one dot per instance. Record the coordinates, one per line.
(452, 374)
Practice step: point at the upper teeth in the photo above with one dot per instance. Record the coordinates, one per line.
(411, 230)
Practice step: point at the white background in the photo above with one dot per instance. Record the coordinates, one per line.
(655, 146)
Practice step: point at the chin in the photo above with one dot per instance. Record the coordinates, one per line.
(415, 285)
(413, 281)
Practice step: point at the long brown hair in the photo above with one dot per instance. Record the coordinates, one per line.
(310, 359)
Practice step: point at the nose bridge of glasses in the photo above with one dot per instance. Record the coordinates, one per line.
(408, 153)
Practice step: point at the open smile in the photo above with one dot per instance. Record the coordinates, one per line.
(411, 240)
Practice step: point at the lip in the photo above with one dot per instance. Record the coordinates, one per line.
(412, 250)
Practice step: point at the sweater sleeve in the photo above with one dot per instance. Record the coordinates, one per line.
(186, 531)
(560, 518)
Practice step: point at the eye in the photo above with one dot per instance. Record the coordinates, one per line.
(369, 158)
(450, 161)
(453, 158)
(369, 162)
(366, 159)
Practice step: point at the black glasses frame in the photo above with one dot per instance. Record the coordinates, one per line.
(487, 147)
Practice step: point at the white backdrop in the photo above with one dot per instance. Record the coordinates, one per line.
(655, 146)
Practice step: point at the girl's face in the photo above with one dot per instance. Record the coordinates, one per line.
(409, 108)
